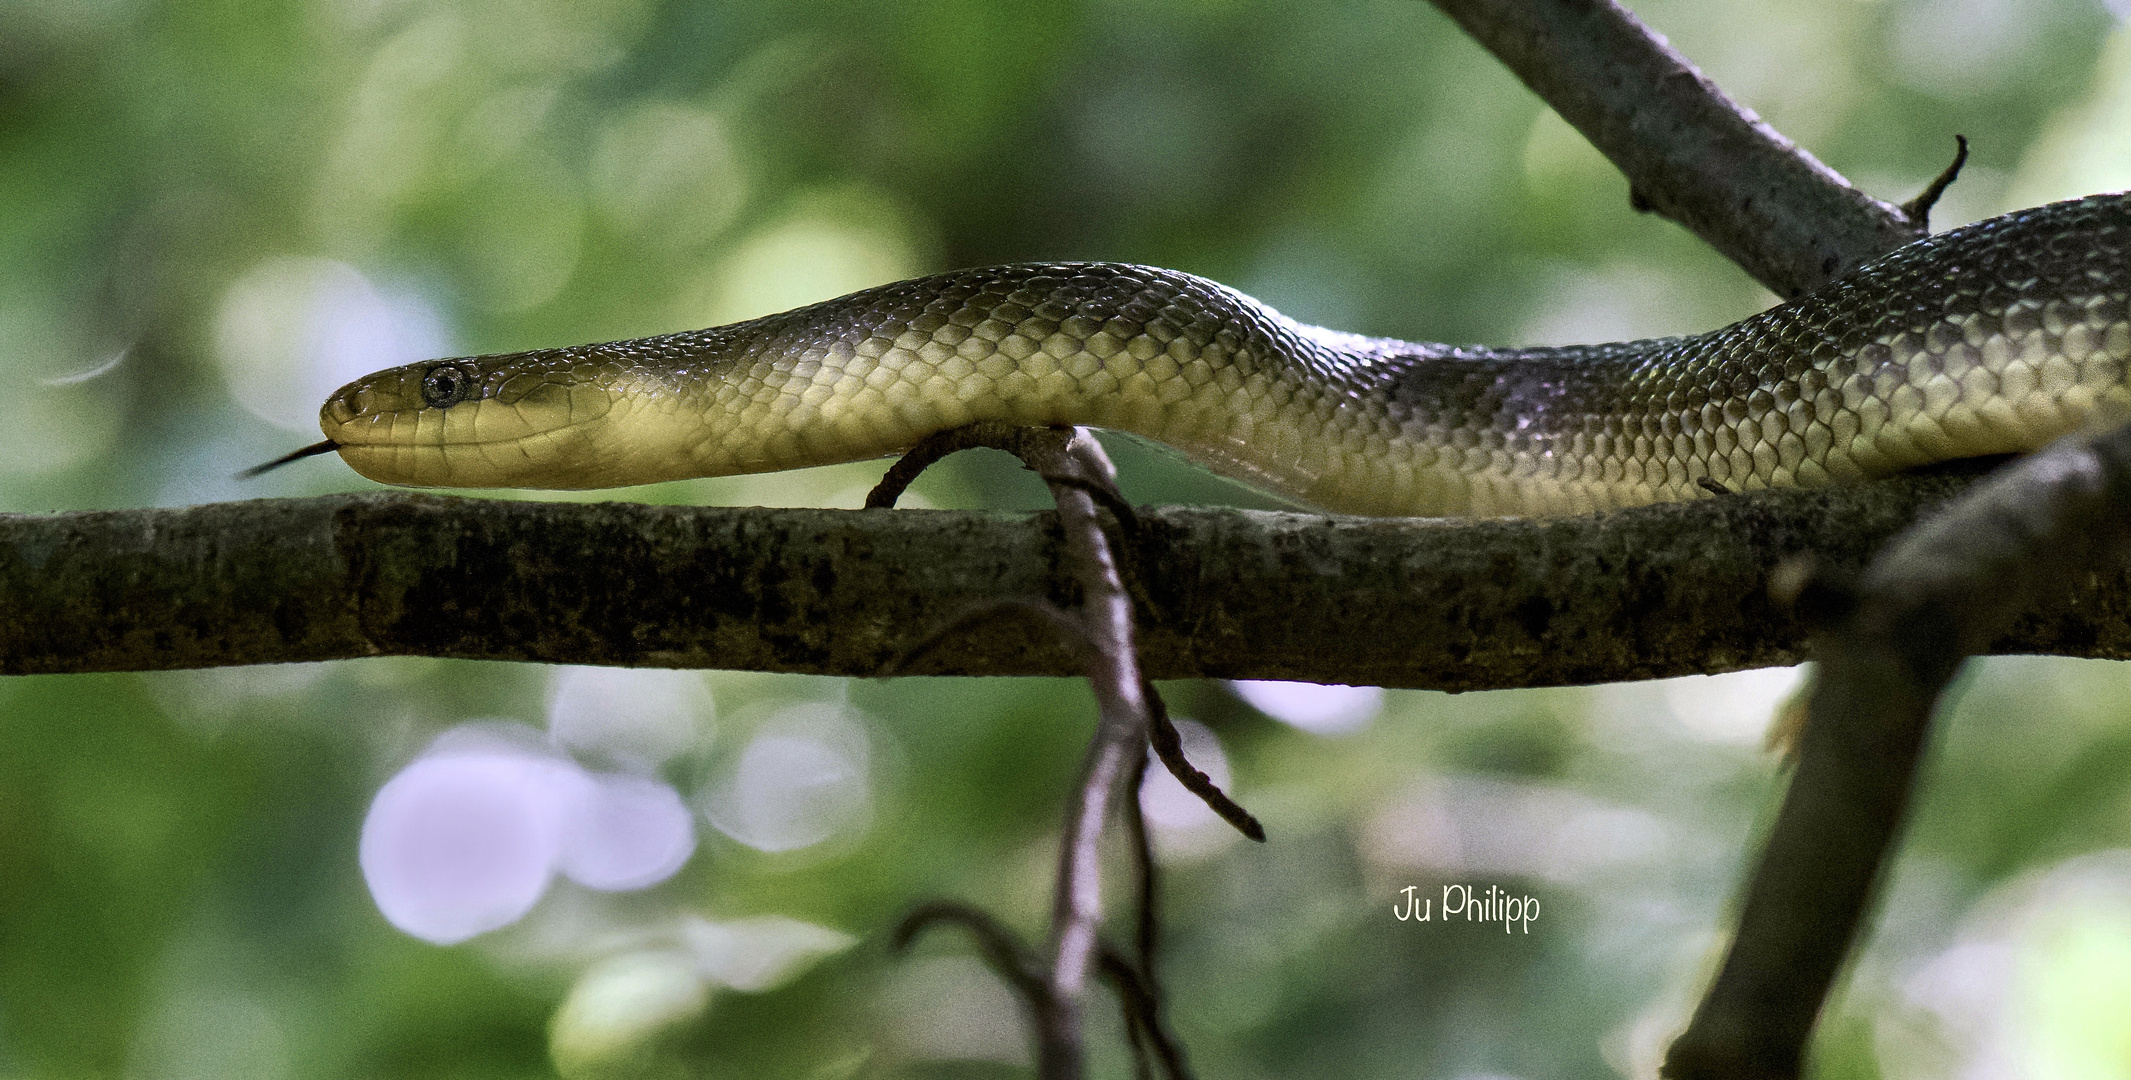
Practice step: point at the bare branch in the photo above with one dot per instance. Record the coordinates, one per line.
(1940, 593)
(1138, 979)
(1146, 879)
(1659, 591)
(1689, 151)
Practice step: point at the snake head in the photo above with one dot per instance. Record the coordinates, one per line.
(545, 419)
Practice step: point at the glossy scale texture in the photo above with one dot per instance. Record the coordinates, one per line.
(1992, 338)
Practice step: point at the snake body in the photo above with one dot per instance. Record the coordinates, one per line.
(1992, 338)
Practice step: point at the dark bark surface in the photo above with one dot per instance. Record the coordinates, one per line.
(1454, 605)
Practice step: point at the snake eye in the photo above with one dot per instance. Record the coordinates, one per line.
(445, 386)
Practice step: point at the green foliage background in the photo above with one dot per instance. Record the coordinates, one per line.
(178, 888)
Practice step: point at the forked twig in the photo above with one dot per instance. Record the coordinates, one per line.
(1147, 934)
(1121, 727)
(1082, 482)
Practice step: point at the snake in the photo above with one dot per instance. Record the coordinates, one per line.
(1993, 338)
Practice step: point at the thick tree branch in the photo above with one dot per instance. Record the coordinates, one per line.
(1689, 152)
(1647, 593)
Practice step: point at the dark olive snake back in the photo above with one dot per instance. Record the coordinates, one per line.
(1991, 338)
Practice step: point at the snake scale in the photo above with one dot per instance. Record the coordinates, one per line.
(1992, 338)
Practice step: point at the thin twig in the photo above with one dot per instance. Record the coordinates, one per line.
(1002, 951)
(1170, 748)
(1143, 1012)
(1941, 593)
(1690, 153)
(1918, 210)
(1136, 1041)
(1035, 446)
(1146, 936)
(1120, 735)
(1063, 627)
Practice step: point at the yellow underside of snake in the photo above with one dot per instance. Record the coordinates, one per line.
(1993, 338)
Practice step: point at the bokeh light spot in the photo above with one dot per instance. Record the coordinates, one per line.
(753, 955)
(460, 844)
(625, 832)
(611, 1022)
(798, 782)
(638, 717)
(1183, 825)
(467, 838)
(834, 243)
(669, 172)
(51, 416)
(1320, 709)
(293, 330)
(1734, 707)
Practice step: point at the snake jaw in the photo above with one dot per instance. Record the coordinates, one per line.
(524, 420)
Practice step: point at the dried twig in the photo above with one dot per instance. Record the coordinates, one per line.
(1918, 210)
(1170, 748)
(1939, 594)
(1063, 628)
(1001, 950)
(1147, 934)
(1121, 727)
(1142, 1003)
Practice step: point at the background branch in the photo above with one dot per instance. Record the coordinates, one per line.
(1689, 152)
(1940, 592)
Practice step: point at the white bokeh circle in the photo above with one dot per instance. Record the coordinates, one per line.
(639, 717)
(467, 838)
(802, 779)
(1317, 708)
(625, 832)
(462, 843)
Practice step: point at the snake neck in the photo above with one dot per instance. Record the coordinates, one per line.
(1990, 339)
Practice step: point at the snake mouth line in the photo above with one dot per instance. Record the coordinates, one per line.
(312, 450)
